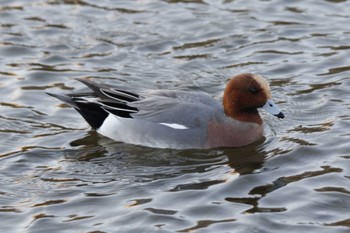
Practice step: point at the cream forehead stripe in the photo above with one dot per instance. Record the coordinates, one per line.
(264, 84)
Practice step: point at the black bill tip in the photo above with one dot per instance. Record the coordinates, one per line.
(280, 115)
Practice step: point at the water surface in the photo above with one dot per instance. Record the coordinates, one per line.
(57, 175)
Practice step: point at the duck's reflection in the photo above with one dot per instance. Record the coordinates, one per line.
(246, 160)
(169, 162)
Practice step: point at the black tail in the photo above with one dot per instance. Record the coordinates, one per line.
(90, 111)
(102, 99)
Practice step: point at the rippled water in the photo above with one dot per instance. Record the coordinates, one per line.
(59, 176)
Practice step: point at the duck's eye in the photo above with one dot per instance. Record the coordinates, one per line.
(253, 90)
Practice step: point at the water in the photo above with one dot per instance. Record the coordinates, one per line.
(59, 176)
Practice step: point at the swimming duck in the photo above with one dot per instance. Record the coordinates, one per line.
(177, 119)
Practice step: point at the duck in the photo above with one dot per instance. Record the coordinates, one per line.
(177, 119)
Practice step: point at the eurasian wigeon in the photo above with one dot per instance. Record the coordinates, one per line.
(177, 119)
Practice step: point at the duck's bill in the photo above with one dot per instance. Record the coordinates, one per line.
(272, 108)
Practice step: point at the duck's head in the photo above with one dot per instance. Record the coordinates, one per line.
(244, 94)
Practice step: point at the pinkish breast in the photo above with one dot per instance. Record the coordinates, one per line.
(232, 133)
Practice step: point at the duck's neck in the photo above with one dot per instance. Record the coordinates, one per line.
(247, 116)
(239, 113)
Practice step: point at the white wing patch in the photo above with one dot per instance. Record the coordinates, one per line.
(174, 125)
